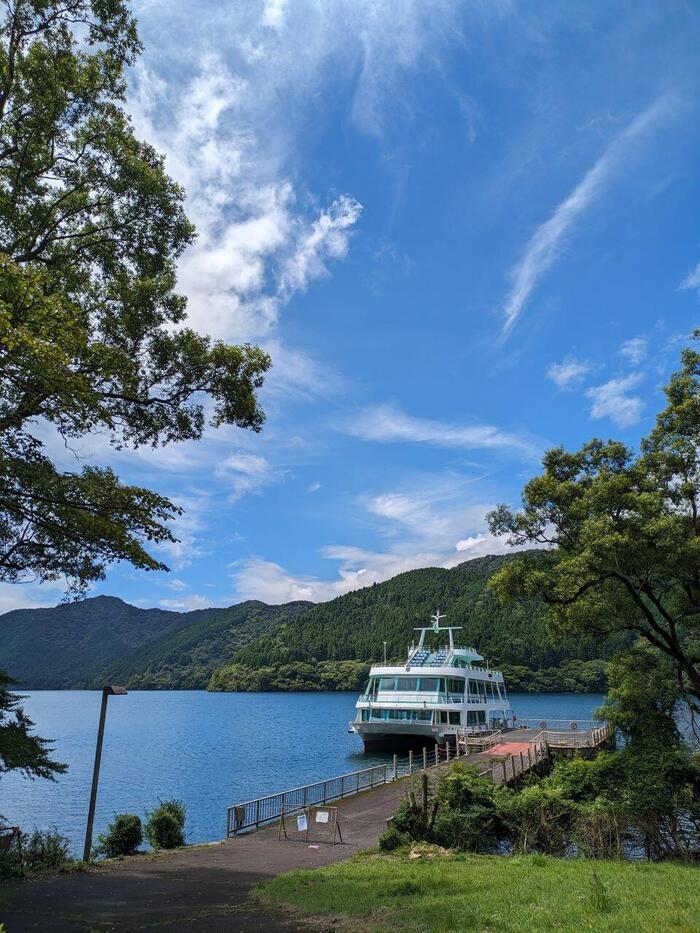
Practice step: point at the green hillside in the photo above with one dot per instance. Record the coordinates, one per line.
(68, 645)
(353, 627)
(105, 640)
(185, 659)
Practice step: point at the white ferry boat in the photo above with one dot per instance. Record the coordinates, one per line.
(440, 691)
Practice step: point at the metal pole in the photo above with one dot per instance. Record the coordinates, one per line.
(425, 757)
(410, 761)
(437, 753)
(396, 770)
(95, 777)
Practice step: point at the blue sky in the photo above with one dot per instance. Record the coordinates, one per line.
(465, 231)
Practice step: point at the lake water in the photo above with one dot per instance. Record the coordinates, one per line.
(210, 750)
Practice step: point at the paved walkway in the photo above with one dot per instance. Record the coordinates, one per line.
(199, 889)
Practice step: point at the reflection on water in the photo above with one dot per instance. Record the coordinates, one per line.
(209, 749)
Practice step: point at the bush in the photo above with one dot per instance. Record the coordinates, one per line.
(124, 835)
(165, 828)
(393, 839)
(43, 850)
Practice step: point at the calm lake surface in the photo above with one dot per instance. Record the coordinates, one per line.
(209, 749)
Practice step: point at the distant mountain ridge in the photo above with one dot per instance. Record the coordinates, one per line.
(295, 646)
(105, 640)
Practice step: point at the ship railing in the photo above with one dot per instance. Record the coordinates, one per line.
(256, 813)
(414, 698)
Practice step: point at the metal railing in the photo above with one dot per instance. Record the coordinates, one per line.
(267, 809)
(255, 813)
(566, 724)
(414, 698)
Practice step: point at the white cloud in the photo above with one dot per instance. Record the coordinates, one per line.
(546, 244)
(30, 595)
(612, 400)
(187, 603)
(634, 350)
(387, 424)
(428, 524)
(692, 280)
(567, 374)
(257, 243)
(245, 473)
(313, 487)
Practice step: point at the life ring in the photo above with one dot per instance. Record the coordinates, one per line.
(573, 726)
(543, 724)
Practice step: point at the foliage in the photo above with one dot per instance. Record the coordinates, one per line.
(92, 337)
(36, 852)
(165, 826)
(19, 749)
(625, 534)
(298, 675)
(352, 627)
(123, 837)
(393, 839)
(481, 892)
(104, 640)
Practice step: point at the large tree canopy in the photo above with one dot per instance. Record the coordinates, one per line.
(624, 533)
(92, 333)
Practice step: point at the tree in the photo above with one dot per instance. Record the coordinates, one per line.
(92, 333)
(18, 749)
(623, 534)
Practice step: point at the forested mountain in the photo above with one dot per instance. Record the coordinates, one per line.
(297, 646)
(185, 659)
(353, 627)
(105, 640)
(69, 645)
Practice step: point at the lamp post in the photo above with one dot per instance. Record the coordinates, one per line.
(384, 654)
(106, 693)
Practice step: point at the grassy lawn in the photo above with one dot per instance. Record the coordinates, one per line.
(373, 892)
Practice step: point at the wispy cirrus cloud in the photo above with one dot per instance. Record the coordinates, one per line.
(388, 424)
(634, 350)
(692, 279)
(545, 246)
(613, 399)
(569, 373)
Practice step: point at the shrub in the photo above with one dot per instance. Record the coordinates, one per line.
(124, 835)
(43, 850)
(165, 828)
(393, 839)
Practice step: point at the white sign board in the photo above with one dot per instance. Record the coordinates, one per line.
(302, 825)
(322, 816)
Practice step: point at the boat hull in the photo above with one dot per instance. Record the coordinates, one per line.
(400, 737)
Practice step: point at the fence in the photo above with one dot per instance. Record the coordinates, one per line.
(267, 809)
(255, 813)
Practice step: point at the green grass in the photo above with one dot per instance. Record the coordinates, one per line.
(372, 892)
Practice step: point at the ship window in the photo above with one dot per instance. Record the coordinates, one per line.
(409, 684)
(425, 715)
(454, 719)
(387, 683)
(429, 684)
(366, 715)
(443, 715)
(455, 686)
(476, 716)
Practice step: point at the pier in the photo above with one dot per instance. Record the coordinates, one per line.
(504, 757)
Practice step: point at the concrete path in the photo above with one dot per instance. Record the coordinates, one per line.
(204, 888)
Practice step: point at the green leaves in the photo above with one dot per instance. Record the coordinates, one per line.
(91, 327)
(624, 533)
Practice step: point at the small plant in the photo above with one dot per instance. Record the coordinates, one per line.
(165, 827)
(599, 897)
(404, 889)
(124, 835)
(393, 839)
